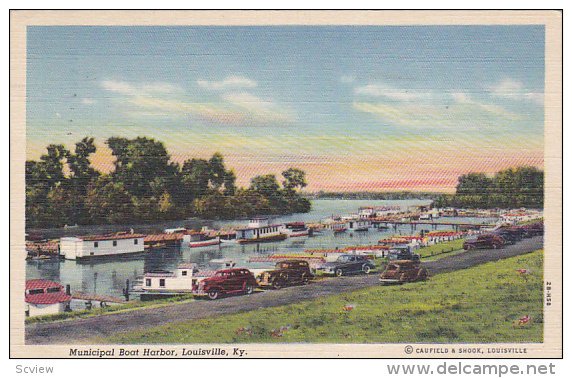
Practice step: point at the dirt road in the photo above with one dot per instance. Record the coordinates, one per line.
(80, 331)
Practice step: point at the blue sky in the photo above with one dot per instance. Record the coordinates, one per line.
(349, 100)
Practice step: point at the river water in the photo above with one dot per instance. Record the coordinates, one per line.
(108, 276)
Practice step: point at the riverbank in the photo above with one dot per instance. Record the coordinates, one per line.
(415, 313)
(109, 325)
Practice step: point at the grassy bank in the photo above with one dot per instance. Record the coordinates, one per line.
(480, 304)
(441, 248)
(130, 306)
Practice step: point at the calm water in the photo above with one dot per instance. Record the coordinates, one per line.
(108, 276)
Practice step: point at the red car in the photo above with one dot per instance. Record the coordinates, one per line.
(486, 241)
(226, 281)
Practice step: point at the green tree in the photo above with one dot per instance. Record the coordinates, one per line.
(108, 201)
(138, 162)
(294, 179)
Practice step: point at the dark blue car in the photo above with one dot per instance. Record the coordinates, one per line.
(348, 264)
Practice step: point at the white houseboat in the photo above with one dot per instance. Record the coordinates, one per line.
(359, 225)
(85, 247)
(44, 297)
(295, 229)
(260, 230)
(181, 280)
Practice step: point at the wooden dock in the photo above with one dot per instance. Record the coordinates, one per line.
(434, 225)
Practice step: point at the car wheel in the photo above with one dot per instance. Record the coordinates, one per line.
(249, 289)
(305, 279)
(422, 274)
(213, 294)
(366, 269)
(338, 272)
(495, 246)
(277, 284)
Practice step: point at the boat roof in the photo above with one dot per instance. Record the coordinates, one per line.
(108, 237)
(256, 228)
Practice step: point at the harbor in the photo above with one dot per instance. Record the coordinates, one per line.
(108, 276)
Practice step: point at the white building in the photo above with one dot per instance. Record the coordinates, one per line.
(44, 297)
(75, 248)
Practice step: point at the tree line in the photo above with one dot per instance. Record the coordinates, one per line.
(509, 188)
(145, 185)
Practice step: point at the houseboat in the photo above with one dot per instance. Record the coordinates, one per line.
(295, 229)
(200, 239)
(85, 247)
(339, 227)
(260, 230)
(359, 225)
(162, 283)
(44, 297)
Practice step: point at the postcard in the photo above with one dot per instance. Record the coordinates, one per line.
(314, 184)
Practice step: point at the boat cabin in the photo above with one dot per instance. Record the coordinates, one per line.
(82, 247)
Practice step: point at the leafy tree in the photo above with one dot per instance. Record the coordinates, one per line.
(195, 177)
(229, 183)
(108, 201)
(474, 183)
(138, 162)
(267, 185)
(217, 171)
(294, 179)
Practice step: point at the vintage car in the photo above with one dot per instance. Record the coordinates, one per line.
(507, 236)
(402, 271)
(346, 264)
(287, 272)
(402, 253)
(226, 281)
(485, 241)
(534, 229)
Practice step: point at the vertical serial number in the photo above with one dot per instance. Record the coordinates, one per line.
(548, 293)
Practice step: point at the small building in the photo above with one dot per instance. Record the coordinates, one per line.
(82, 247)
(44, 297)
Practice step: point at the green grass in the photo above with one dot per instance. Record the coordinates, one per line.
(130, 306)
(437, 249)
(480, 304)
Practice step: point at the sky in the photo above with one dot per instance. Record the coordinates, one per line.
(359, 108)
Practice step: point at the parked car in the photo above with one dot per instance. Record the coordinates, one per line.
(507, 236)
(534, 229)
(484, 241)
(346, 264)
(226, 281)
(401, 271)
(402, 253)
(287, 272)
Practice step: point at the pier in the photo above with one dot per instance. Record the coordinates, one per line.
(434, 225)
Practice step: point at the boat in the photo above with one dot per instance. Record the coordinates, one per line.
(260, 230)
(200, 239)
(227, 237)
(339, 228)
(296, 229)
(157, 284)
(359, 225)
